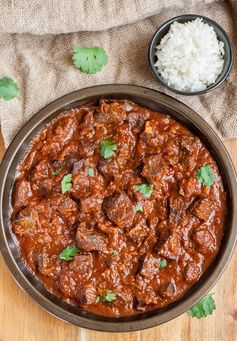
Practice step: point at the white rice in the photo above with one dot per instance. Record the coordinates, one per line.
(190, 57)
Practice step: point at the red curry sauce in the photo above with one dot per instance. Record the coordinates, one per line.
(139, 248)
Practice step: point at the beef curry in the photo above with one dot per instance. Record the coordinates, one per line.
(118, 209)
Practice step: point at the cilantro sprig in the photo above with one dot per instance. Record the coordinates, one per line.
(203, 308)
(90, 172)
(145, 189)
(68, 253)
(89, 59)
(8, 88)
(163, 264)
(109, 296)
(66, 183)
(107, 148)
(138, 208)
(115, 252)
(56, 172)
(205, 175)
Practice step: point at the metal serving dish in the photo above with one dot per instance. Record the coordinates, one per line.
(14, 155)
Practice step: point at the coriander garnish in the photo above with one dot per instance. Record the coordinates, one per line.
(145, 189)
(89, 59)
(203, 308)
(90, 172)
(56, 172)
(115, 252)
(138, 208)
(109, 296)
(8, 88)
(66, 183)
(69, 253)
(205, 175)
(163, 264)
(107, 148)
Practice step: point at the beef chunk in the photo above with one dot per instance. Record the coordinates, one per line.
(136, 122)
(145, 294)
(154, 168)
(92, 204)
(119, 209)
(110, 113)
(189, 146)
(65, 128)
(126, 143)
(41, 181)
(89, 240)
(27, 223)
(69, 153)
(150, 266)
(86, 132)
(56, 138)
(178, 204)
(41, 171)
(42, 188)
(171, 152)
(83, 184)
(67, 284)
(81, 263)
(160, 208)
(203, 208)
(48, 266)
(139, 231)
(86, 145)
(168, 290)
(65, 206)
(190, 187)
(86, 294)
(151, 135)
(204, 240)
(192, 272)
(108, 168)
(22, 193)
(170, 247)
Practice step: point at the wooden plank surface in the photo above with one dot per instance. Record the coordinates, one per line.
(23, 320)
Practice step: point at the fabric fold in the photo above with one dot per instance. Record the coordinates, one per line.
(42, 64)
(67, 16)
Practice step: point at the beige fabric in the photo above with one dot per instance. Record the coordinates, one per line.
(65, 16)
(43, 68)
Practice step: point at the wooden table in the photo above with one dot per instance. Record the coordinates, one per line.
(21, 319)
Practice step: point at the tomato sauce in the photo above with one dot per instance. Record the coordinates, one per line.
(132, 198)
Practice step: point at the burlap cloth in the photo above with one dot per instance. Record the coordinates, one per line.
(37, 37)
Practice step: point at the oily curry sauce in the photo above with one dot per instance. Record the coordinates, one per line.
(123, 192)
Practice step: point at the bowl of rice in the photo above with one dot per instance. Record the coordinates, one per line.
(190, 55)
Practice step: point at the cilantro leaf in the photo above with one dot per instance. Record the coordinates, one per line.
(203, 308)
(66, 183)
(205, 175)
(163, 264)
(56, 172)
(90, 172)
(145, 189)
(110, 296)
(8, 88)
(69, 253)
(107, 148)
(89, 59)
(115, 252)
(138, 208)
